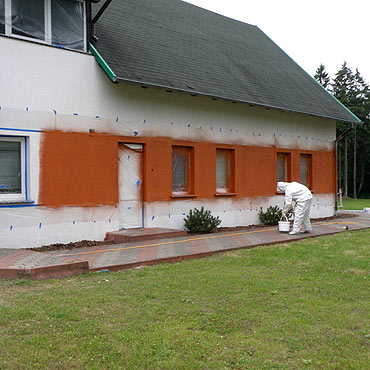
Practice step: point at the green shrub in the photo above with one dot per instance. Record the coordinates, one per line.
(201, 221)
(272, 215)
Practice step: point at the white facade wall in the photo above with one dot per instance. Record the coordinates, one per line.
(46, 88)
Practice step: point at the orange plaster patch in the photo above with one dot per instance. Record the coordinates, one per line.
(81, 169)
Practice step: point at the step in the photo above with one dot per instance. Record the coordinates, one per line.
(150, 233)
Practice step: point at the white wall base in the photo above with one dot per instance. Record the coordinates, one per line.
(36, 226)
(232, 211)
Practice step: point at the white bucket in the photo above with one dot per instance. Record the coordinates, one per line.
(284, 226)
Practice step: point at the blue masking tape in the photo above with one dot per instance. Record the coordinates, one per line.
(18, 129)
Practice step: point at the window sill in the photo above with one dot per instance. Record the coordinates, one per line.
(3, 202)
(174, 196)
(225, 194)
(44, 43)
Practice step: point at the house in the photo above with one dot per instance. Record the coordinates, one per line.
(131, 116)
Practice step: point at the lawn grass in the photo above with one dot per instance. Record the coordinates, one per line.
(355, 204)
(303, 305)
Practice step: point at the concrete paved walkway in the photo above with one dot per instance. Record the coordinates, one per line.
(41, 265)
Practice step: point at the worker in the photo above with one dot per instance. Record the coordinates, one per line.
(302, 196)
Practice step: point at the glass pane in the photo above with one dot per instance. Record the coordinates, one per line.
(28, 18)
(2, 16)
(10, 167)
(304, 169)
(67, 24)
(282, 167)
(221, 169)
(180, 170)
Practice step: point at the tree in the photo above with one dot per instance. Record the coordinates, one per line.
(353, 92)
(342, 89)
(322, 77)
(362, 139)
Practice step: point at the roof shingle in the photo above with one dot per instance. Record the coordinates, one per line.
(179, 46)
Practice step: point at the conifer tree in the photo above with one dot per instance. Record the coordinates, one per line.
(353, 92)
(322, 77)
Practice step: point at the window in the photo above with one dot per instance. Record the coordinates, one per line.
(181, 170)
(12, 169)
(224, 171)
(2, 16)
(305, 169)
(283, 167)
(55, 22)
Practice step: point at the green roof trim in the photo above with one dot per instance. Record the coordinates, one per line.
(102, 63)
(175, 45)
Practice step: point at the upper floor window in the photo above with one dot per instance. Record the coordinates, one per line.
(54, 22)
(12, 169)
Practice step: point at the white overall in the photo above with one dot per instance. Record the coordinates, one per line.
(303, 198)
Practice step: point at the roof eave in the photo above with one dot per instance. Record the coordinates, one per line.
(194, 92)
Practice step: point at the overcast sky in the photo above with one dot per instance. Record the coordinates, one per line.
(309, 31)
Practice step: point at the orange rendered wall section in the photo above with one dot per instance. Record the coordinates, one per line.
(81, 169)
(78, 169)
(323, 172)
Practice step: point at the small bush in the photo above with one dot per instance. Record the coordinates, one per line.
(201, 221)
(272, 215)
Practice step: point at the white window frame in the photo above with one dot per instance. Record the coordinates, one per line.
(22, 196)
(47, 19)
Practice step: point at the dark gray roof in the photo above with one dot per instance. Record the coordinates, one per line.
(179, 46)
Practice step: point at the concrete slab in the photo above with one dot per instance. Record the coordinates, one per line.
(148, 233)
(42, 265)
